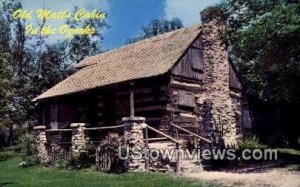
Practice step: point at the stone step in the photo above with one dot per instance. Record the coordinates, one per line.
(162, 145)
(188, 166)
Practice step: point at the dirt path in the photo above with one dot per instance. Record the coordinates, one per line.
(275, 177)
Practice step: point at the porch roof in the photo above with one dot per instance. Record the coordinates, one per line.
(147, 58)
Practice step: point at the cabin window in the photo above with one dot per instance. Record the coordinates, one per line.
(186, 99)
(197, 58)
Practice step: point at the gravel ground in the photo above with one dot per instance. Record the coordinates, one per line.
(278, 177)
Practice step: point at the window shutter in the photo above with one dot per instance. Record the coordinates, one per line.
(186, 99)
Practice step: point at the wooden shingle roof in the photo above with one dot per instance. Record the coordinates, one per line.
(147, 58)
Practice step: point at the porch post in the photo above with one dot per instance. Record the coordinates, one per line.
(78, 138)
(41, 140)
(131, 100)
(134, 138)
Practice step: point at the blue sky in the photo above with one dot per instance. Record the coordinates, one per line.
(126, 17)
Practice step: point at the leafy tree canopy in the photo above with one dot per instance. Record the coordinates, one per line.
(156, 27)
(269, 49)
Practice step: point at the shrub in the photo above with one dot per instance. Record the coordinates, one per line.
(110, 145)
(251, 143)
(29, 150)
(61, 164)
(85, 159)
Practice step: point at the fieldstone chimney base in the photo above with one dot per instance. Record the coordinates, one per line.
(134, 138)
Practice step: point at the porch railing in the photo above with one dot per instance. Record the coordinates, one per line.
(176, 141)
(191, 133)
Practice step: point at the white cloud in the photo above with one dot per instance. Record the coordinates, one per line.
(187, 10)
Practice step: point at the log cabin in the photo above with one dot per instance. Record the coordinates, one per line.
(182, 77)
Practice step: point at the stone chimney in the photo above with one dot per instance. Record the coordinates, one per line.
(218, 115)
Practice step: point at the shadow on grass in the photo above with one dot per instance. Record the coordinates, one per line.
(289, 159)
(286, 158)
(4, 156)
(9, 152)
(5, 183)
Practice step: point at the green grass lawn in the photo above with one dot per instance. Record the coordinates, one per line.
(12, 175)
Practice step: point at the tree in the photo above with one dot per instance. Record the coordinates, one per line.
(263, 38)
(269, 49)
(81, 46)
(6, 88)
(156, 27)
(6, 80)
(29, 65)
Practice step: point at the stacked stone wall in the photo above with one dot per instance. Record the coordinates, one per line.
(41, 141)
(78, 138)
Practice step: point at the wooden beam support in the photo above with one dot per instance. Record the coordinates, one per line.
(131, 100)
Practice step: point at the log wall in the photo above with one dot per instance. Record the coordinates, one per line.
(150, 101)
(182, 107)
(190, 66)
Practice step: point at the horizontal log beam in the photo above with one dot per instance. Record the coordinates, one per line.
(58, 130)
(157, 139)
(150, 108)
(103, 128)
